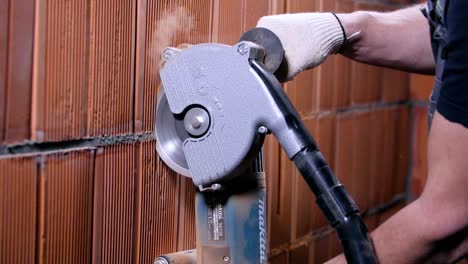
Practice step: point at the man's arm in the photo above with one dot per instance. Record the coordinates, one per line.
(398, 39)
(435, 226)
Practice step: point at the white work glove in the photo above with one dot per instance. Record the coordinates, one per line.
(307, 38)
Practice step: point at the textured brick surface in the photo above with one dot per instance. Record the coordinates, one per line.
(18, 198)
(186, 230)
(157, 206)
(16, 56)
(395, 85)
(60, 80)
(300, 254)
(84, 69)
(421, 87)
(4, 22)
(254, 10)
(111, 67)
(227, 21)
(66, 207)
(419, 150)
(114, 204)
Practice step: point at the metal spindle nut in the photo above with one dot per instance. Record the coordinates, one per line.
(196, 121)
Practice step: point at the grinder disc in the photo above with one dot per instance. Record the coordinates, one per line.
(170, 135)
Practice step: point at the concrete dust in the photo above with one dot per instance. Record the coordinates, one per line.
(175, 25)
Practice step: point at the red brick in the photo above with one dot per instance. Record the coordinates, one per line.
(376, 161)
(419, 150)
(157, 205)
(227, 21)
(67, 189)
(351, 153)
(277, 6)
(345, 5)
(335, 245)
(300, 255)
(18, 200)
(342, 84)
(325, 85)
(111, 67)
(371, 221)
(402, 153)
(253, 11)
(114, 204)
(60, 80)
(16, 43)
(304, 86)
(376, 6)
(282, 258)
(361, 153)
(321, 249)
(421, 86)
(344, 149)
(302, 6)
(327, 6)
(4, 22)
(365, 83)
(388, 154)
(186, 230)
(395, 85)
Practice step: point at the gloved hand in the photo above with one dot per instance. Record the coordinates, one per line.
(307, 38)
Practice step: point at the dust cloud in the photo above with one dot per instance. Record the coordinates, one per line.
(171, 29)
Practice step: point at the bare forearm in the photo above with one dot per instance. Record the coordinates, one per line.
(434, 228)
(407, 238)
(398, 39)
(397, 240)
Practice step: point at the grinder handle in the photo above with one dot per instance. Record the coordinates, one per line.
(332, 198)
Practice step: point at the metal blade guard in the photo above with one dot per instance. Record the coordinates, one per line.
(227, 100)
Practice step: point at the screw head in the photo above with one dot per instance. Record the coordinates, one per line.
(242, 49)
(168, 54)
(262, 129)
(226, 259)
(196, 121)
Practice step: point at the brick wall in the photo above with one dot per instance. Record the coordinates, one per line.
(79, 177)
